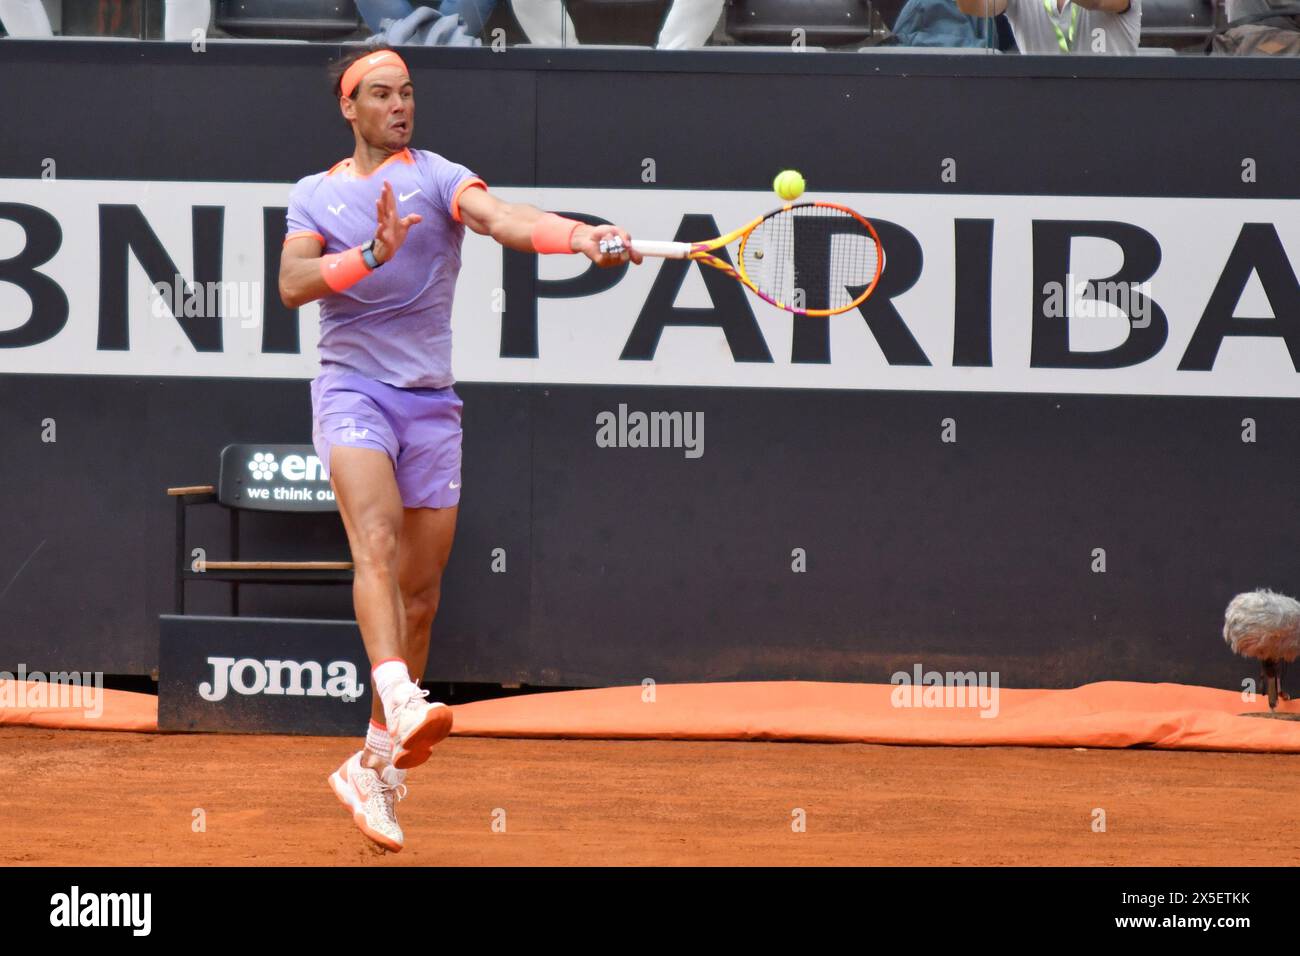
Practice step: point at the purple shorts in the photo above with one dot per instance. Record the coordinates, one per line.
(418, 428)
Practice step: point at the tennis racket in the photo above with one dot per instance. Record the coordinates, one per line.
(809, 258)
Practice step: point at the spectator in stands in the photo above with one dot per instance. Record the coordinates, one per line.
(474, 12)
(1254, 30)
(425, 26)
(689, 23)
(1067, 26)
(182, 17)
(25, 18)
(29, 18)
(940, 23)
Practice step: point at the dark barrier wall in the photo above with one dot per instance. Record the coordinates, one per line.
(625, 564)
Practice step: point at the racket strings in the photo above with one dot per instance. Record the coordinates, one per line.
(811, 257)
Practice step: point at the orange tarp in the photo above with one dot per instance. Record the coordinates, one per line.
(1108, 714)
(39, 704)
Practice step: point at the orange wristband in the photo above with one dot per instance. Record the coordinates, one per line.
(553, 233)
(343, 270)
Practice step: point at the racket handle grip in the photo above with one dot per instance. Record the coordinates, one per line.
(665, 250)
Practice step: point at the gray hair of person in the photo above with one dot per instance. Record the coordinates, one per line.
(1264, 625)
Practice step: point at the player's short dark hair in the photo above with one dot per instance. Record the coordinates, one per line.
(340, 66)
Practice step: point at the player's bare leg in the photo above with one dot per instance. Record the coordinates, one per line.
(366, 491)
(370, 505)
(423, 550)
(368, 500)
(398, 555)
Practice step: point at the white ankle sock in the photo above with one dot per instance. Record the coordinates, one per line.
(378, 742)
(389, 675)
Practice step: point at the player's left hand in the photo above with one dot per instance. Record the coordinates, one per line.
(390, 229)
(608, 246)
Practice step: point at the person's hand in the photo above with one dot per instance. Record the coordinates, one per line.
(606, 246)
(391, 231)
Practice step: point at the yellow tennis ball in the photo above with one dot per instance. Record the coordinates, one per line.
(788, 184)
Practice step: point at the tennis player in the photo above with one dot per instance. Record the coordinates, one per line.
(377, 240)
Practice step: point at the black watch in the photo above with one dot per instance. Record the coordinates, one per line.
(368, 256)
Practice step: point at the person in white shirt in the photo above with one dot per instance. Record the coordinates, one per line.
(1067, 26)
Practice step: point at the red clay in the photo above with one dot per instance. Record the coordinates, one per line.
(81, 798)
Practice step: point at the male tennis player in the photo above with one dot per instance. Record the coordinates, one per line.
(377, 239)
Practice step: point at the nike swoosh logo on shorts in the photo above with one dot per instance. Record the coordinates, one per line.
(454, 485)
(407, 196)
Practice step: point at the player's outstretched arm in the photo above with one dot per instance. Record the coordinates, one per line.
(306, 275)
(514, 225)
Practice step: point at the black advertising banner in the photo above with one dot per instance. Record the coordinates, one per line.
(252, 675)
(270, 477)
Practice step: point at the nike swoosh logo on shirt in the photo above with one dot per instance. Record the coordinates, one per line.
(406, 196)
(337, 209)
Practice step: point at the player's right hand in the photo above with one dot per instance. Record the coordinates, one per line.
(607, 246)
(391, 231)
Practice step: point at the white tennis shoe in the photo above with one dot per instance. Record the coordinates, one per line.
(415, 725)
(371, 797)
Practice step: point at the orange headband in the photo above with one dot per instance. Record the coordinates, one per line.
(358, 70)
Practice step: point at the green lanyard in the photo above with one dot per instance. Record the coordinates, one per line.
(1061, 37)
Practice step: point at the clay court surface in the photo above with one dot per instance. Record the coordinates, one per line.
(85, 798)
